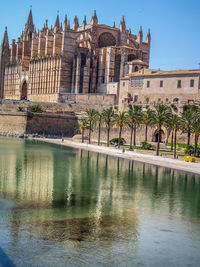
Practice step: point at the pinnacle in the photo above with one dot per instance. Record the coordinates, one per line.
(5, 41)
(57, 22)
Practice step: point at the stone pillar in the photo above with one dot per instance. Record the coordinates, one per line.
(26, 53)
(13, 52)
(78, 66)
(19, 50)
(57, 43)
(34, 48)
(41, 45)
(73, 75)
(86, 76)
(49, 43)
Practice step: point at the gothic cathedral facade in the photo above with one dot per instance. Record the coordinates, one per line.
(59, 60)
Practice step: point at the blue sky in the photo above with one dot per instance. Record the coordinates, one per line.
(174, 24)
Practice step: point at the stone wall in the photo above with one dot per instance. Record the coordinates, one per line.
(86, 102)
(13, 123)
(50, 124)
(31, 123)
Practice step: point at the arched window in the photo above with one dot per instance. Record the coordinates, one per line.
(106, 39)
(24, 91)
(136, 68)
(117, 67)
(175, 100)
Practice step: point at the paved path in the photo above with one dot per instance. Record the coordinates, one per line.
(133, 155)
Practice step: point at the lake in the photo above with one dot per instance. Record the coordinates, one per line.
(61, 206)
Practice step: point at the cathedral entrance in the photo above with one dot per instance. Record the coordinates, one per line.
(24, 91)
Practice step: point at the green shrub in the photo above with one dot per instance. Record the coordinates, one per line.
(198, 152)
(36, 108)
(146, 146)
(115, 140)
(21, 109)
(189, 150)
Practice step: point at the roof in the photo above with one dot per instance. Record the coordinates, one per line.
(137, 61)
(152, 73)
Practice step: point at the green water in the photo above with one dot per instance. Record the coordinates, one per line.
(68, 207)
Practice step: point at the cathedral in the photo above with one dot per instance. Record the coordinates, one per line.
(48, 64)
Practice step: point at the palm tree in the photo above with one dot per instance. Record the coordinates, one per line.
(196, 128)
(99, 118)
(176, 126)
(147, 119)
(91, 117)
(161, 114)
(120, 121)
(187, 116)
(134, 120)
(83, 124)
(108, 118)
(169, 128)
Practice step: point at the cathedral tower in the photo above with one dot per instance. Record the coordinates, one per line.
(4, 59)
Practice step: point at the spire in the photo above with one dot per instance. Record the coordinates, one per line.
(122, 25)
(68, 25)
(65, 23)
(5, 42)
(148, 39)
(57, 23)
(140, 35)
(84, 22)
(113, 24)
(75, 24)
(94, 20)
(29, 27)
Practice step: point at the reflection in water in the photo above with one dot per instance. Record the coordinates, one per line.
(64, 195)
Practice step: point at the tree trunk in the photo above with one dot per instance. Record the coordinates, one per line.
(195, 144)
(90, 130)
(146, 132)
(172, 140)
(134, 136)
(188, 138)
(175, 131)
(168, 134)
(120, 133)
(108, 136)
(131, 147)
(99, 134)
(82, 136)
(158, 143)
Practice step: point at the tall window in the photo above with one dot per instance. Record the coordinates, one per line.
(179, 84)
(135, 98)
(191, 83)
(161, 83)
(148, 83)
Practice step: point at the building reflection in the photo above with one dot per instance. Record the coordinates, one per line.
(67, 194)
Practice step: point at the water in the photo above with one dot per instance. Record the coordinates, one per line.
(68, 207)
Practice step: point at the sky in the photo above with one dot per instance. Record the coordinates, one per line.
(174, 24)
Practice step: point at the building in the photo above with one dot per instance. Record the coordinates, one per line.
(54, 62)
(154, 86)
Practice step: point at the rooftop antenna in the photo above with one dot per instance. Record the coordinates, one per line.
(31, 7)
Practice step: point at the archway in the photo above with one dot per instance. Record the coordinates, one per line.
(106, 39)
(156, 135)
(24, 91)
